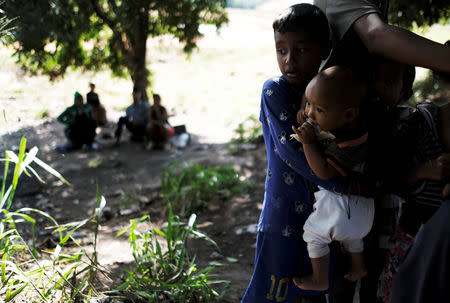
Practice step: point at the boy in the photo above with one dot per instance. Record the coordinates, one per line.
(136, 118)
(333, 100)
(301, 41)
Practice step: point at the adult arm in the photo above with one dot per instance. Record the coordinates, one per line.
(401, 45)
(278, 117)
(437, 169)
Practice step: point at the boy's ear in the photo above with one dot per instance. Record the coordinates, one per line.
(325, 50)
(350, 114)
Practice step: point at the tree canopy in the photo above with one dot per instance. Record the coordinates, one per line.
(406, 13)
(50, 36)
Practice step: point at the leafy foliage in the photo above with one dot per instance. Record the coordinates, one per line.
(195, 186)
(165, 273)
(5, 29)
(51, 35)
(406, 13)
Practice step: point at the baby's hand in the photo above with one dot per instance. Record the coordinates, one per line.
(301, 116)
(306, 133)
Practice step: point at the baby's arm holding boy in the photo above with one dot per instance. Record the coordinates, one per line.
(315, 157)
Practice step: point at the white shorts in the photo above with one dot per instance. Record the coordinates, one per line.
(343, 218)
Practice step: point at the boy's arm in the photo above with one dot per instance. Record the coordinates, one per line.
(315, 157)
(401, 45)
(278, 115)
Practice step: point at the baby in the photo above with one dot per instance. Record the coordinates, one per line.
(334, 141)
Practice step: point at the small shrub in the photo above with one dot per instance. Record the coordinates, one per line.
(195, 186)
(164, 271)
(247, 132)
(43, 113)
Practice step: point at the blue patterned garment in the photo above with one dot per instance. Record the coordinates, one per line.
(280, 251)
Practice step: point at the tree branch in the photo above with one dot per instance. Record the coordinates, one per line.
(112, 24)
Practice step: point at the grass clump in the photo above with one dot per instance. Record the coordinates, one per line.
(164, 271)
(48, 275)
(195, 187)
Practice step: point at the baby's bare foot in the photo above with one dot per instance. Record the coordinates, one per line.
(309, 283)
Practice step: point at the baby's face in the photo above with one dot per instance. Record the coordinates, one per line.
(389, 83)
(322, 110)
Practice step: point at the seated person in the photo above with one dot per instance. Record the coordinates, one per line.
(80, 126)
(334, 141)
(98, 110)
(419, 168)
(158, 127)
(136, 118)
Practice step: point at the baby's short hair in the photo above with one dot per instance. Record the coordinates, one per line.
(344, 81)
(304, 17)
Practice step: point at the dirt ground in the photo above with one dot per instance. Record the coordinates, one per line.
(129, 179)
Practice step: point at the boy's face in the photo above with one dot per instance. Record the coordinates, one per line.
(298, 56)
(389, 83)
(325, 110)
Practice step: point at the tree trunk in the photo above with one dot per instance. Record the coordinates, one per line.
(138, 41)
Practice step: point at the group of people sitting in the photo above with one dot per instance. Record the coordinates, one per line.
(147, 124)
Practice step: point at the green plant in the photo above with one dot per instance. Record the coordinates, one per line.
(43, 113)
(64, 277)
(164, 271)
(426, 89)
(194, 187)
(247, 132)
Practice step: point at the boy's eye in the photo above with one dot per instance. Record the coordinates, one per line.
(281, 51)
(307, 103)
(319, 110)
(301, 50)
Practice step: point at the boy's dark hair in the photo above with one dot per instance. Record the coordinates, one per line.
(409, 74)
(304, 17)
(136, 90)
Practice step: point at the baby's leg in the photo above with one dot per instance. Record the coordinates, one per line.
(318, 280)
(319, 252)
(355, 252)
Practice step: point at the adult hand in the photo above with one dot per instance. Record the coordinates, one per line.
(306, 133)
(438, 169)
